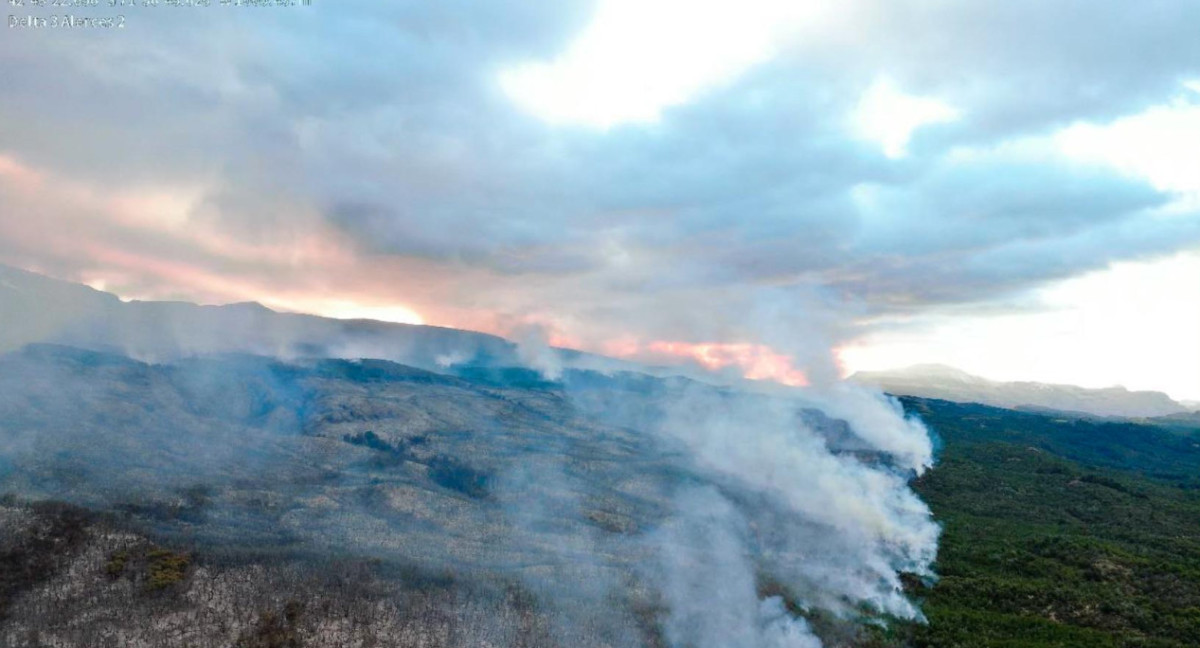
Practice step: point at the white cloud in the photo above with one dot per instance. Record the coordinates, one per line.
(395, 172)
(890, 116)
(638, 57)
(1134, 324)
(1160, 145)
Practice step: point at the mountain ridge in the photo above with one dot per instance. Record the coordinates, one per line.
(42, 309)
(950, 383)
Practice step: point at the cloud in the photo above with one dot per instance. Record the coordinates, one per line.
(1160, 145)
(1021, 67)
(890, 117)
(370, 154)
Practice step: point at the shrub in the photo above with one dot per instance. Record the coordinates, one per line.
(116, 564)
(166, 568)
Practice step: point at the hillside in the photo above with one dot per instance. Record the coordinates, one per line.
(574, 511)
(948, 383)
(39, 309)
(242, 500)
(1061, 532)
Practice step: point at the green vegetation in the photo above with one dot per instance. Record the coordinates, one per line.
(444, 470)
(156, 568)
(1047, 543)
(448, 472)
(1164, 452)
(116, 564)
(371, 440)
(165, 568)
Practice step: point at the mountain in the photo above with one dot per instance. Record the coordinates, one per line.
(234, 499)
(372, 456)
(948, 383)
(239, 500)
(231, 499)
(39, 309)
(182, 475)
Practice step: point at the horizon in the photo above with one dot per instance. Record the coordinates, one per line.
(789, 190)
(683, 365)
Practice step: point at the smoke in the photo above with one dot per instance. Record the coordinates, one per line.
(731, 511)
(834, 528)
(708, 581)
(38, 309)
(879, 420)
(781, 630)
(450, 359)
(578, 576)
(534, 351)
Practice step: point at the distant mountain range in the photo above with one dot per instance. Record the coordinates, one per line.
(39, 309)
(948, 383)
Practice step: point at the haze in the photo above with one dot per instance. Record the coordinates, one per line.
(796, 191)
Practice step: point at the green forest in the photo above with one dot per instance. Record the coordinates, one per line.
(1060, 531)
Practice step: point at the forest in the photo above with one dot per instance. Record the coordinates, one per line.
(1061, 531)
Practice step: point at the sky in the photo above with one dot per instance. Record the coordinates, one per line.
(794, 190)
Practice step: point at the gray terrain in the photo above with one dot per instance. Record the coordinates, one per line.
(184, 475)
(221, 495)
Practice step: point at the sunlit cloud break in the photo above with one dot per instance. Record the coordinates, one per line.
(630, 171)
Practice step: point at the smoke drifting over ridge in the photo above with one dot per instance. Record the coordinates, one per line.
(731, 508)
(829, 515)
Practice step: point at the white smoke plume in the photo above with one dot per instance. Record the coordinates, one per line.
(744, 508)
(835, 528)
(534, 350)
(708, 581)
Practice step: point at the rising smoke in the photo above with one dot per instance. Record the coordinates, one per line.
(733, 511)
